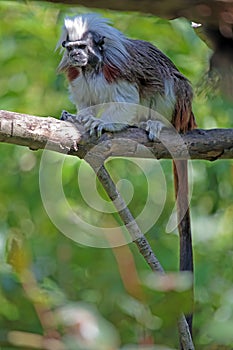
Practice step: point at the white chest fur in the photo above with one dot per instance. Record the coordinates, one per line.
(93, 89)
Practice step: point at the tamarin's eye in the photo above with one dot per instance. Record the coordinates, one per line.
(82, 46)
(66, 45)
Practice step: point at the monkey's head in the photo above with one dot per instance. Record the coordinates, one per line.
(89, 41)
(85, 51)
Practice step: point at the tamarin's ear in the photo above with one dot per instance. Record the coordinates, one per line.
(64, 37)
(101, 41)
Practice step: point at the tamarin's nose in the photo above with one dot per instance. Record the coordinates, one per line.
(74, 53)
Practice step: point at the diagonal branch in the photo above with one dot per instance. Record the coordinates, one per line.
(142, 244)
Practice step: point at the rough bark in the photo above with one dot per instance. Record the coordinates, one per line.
(40, 132)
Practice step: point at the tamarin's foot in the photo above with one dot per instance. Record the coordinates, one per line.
(153, 128)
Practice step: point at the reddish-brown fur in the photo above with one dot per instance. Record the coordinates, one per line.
(183, 118)
(72, 73)
(110, 73)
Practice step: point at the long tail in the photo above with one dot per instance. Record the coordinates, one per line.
(180, 169)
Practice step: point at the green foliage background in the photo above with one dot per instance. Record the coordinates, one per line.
(66, 271)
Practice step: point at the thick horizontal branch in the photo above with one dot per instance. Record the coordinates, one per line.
(46, 132)
(206, 11)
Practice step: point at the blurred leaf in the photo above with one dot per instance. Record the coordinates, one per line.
(17, 254)
(86, 329)
(140, 312)
(180, 281)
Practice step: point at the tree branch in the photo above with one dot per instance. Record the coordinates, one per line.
(37, 132)
(140, 240)
(206, 11)
(46, 132)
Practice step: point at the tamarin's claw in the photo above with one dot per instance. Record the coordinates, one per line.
(67, 116)
(97, 126)
(153, 128)
(91, 124)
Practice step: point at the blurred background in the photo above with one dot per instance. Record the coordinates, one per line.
(42, 271)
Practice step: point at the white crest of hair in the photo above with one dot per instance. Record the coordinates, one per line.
(78, 25)
(115, 41)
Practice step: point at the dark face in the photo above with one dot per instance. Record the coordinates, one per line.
(87, 51)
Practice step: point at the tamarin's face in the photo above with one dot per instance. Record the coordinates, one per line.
(86, 51)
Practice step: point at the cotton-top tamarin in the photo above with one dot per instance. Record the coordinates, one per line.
(103, 66)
